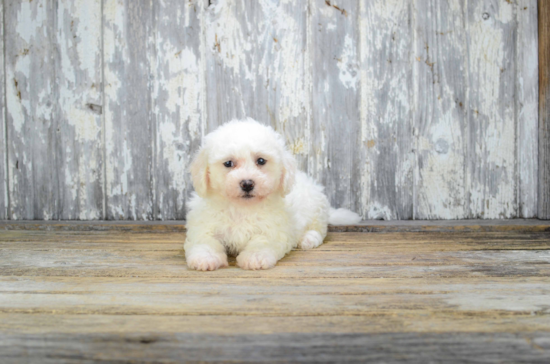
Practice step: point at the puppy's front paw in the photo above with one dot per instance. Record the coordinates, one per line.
(204, 259)
(256, 259)
(312, 239)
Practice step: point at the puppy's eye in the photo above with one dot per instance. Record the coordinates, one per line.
(228, 164)
(261, 161)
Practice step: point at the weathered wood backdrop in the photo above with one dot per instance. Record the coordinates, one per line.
(421, 109)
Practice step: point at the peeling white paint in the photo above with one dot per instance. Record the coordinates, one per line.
(347, 64)
(265, 55)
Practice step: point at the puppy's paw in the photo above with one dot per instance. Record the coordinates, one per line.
(312, 239)
(257, 259)
(205, 259)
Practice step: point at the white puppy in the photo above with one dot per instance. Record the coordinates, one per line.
(251, 201)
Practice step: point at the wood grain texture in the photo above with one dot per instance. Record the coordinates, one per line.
(31, 101)
(403, 110)
(178, 99)
(335, 97)
(129, 133)
(4, 200)
(74, 296)
(527, 107)
(386, 148)
(256, 59)
(279, 347)
(544, 110)
(459, 226)
(391, 255)
(492, 163)
(440, 116)
(78, 73)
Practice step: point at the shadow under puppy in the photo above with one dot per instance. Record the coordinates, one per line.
(252, 202)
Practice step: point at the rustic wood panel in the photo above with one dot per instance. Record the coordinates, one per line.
(440, 116)
(458, 226)
(335, 97)
(129, 132)
(178, 98)
(279, 297)
(358, 297)
(257, 66)
(527, 108)
(544, 110)
(424, 110)
(492, 125)
(31, 101)
(524, 347)
(78, 110)
(386, 148)
(433, 255)
(4, 200)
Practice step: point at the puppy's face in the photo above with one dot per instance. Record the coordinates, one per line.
(244, 162)
(248, 176)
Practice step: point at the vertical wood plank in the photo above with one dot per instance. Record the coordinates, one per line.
(31, 98)
(128, 128)
(527, 107)
(544, 110)
(335, 96)
(385, 154)
(78, 79)
(177, 99)
(257, 66)
(440, 109)
(3, 137)
(491, 39)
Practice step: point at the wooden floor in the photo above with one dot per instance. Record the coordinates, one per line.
(454, 292)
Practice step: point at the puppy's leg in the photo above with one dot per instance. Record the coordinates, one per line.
(208, 254)
(260, 254)
(314, 235)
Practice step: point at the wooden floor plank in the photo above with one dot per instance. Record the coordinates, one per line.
(115, 295)
(279, 348)
(461, 226)
(274, 297)
(412, 322)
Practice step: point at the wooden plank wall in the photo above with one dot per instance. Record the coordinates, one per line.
(544, 110)
(403, 110)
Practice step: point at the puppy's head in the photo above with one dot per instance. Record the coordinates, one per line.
(243, 161)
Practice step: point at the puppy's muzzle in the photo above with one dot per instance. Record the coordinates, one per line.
(247, 185)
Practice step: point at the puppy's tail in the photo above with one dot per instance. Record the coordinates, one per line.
(343, 217)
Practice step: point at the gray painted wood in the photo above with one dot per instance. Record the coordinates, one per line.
(492, 125)
(257, 66)
(78, 75)
(178, 99)
(129, 151)
(32, 106)
(544, 110)
(527, 89)
(456, 347)
(4, 200)
(386, 148)
(335, 97)
(440, 116)
(403, 110)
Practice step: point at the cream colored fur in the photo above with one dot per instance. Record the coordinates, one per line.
(285, 209)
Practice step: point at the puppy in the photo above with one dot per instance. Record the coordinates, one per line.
(252, 202)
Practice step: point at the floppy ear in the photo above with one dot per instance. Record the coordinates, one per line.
(199, 172)
(289, 172)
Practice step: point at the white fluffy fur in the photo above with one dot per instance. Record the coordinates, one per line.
(288, 209)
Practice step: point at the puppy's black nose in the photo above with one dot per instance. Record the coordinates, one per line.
(247, 185)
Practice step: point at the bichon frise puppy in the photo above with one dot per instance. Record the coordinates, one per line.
(252, 202)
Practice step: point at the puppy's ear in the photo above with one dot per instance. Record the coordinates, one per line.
(289, 172)
(199, 172)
